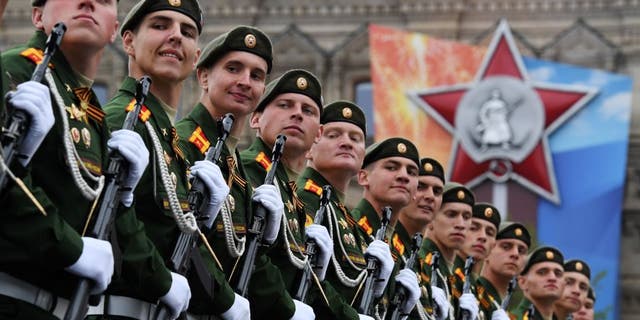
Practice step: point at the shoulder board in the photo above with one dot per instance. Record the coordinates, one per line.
(312, 187)
(263, 160)
(397, 244)
(364, 224)
(308, 220)
(35, 55)
(199, 140)
(144, 115)
(428, 258)
(459, 273)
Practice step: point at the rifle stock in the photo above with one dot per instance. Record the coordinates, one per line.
(510, 288)
(433, 281)
(464, 314)
(401, 293)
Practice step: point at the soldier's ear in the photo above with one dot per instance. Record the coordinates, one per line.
(522, 281)
(127, 43)
(254, 122)
(363, 177)
(203, 78)
(36, 17)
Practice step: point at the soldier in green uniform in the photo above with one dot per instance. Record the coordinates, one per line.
(445, 235)
(542, 283)
(232, 72)
(503, 263)
(586, 311)
(161, 41)
(291, 105)
(42, 263)
(577, 279)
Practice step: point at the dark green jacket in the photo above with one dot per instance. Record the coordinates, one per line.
(523, 311)
(426, 253)
(487, 296)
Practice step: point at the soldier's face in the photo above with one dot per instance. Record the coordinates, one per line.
(234, 83)
(507, 258)
(427, 201)
(164, 46)
(450, 225)
(340, 149)
(481, 238)
(575, 291)
(292, 114)
(586, 312)
(90, 24)
(543, 281)
(390, 181)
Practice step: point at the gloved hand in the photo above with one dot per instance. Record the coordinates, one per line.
(441, 301)
(95, 263)
(269, 197)
(324, 246)
(209, 173)
(239, 310)
(33, 98)
(177, 299)
(499, 314)
(469, 302)
(364, 317)
(407, 279)
(130, 145)
(380, 251)
(303, 311)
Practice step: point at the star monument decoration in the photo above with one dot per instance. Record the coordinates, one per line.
(501, 121)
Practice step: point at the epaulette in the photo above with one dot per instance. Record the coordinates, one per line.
(460, 274)
(145, 113)
(428, 258)
(263, 160)
(364, 224)
(35, 55)
(397, 244)
(308, 220)
(199, 140)
(312, 187)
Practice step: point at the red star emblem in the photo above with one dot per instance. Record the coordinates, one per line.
(486, 149)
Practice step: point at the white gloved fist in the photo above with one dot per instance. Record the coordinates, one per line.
(443, 304)
(239, 310)
(380, 250)
(269, 197)
(365, 317)
(34, 99)
(131, 147)
(209, 173)
(499, 314)
(95, 263)
(324, 248)
(303, 311)
(407, 279)
(177, 299)
(469, 302)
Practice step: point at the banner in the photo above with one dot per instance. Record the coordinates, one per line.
(545, 142)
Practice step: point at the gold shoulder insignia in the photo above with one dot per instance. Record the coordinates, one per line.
(263, 160)
(312, 187)
(145, 113)
(199, 140)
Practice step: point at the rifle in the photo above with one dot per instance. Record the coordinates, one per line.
(187, 243)
(18, 122)
(115, 174)
(305, 282)
(466, 288)
(255, 233)
(510, 288)
(401, 294)
(373, 270)
(433, 282)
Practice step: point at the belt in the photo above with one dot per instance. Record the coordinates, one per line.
(21, 290)
(123, 307)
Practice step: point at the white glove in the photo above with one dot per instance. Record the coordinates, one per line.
(33, 98)
(443, 304)
(407, 279)
(269, 197)
(130, 145)
(95, 263)
(209, 173)
(380, 250)
(364, 317)
(499, 314)
(469, 302)
(239, 310)
(177, 299)
(303, 311)
(324, 246)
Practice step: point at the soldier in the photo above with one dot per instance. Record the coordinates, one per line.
(577, 277)
(291, 105)
(161, 41)
(445, 235)
(503, 263)
(40, 265)
(541, 283)
(232, 72)
(586, 311)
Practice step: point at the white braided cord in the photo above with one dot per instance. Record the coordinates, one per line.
(235, 244)
(297, 262)
(342, 276)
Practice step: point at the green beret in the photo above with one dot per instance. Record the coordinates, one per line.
(293, 81)
(40, 3)
(392, 147)
(431, 167)
(544, 254)
(455, 192)
(486, 211)
(240, 38)
(576, 265)
(591, 294)
(514, 230)
(344, 111)
(190, 8)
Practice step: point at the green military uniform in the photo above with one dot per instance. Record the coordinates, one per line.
(428, 250)
(39, 253)
(526, 311)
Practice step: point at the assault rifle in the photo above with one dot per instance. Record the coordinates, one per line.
(466, 288)
(401, 293)
(510, 288)
(433, 282)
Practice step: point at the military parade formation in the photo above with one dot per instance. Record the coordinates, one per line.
(120, 211)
